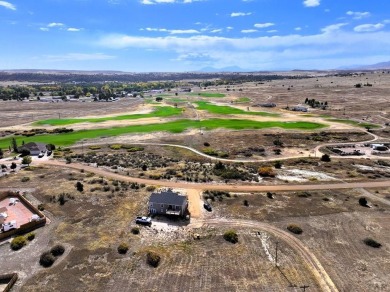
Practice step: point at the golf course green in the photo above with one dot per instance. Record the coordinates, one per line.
(228, 110)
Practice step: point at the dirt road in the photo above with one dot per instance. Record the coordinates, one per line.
(221, 187)
(324, 281)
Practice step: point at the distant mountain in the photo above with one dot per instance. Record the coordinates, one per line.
(377, 66)
(225, 69)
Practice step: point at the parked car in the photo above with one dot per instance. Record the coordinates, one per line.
(207, 206)
(40, 155)
(143, 220)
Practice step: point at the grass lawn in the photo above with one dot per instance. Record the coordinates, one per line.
(177, 126)
(163, 111)
(354, 123)
(206, 94)
(242, 100)
(228, 110)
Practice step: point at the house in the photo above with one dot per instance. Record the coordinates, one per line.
(168, 203)
(34, 148)
(299, 109)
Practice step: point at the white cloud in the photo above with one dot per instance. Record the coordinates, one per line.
(272, 31)
(369, 27)
(73, 29)
(237, 14)
(7, 5)
(229, 27)
(333, 27)
(311, 3)
(44, 29)
(216, 30)
(264, 25)
(55, 24)
(358, 15)
(172, 31)
(298, 28)
(78, 57)
(249, 30)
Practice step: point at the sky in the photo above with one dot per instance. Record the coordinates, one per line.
(191, 35)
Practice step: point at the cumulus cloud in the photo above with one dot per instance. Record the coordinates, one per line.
(311, 3)
(55, 24)
(358, 15)
(73, 29)
(369, 27)
(7, 5)
(237, 14)
(249, 30)
(333, 27)
(172, 31)
(264, 25)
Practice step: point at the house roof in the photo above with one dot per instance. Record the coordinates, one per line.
(32, 146)
(169, 198)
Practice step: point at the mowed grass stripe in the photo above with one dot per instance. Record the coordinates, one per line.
(177, 126)
(163, 111)
(228, 110)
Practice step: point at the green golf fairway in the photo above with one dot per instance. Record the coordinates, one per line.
(228, 110)
(177, 126)
(163, 111)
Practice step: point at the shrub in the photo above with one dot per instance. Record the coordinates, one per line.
(206, 144)
(231, 236)
(18, 242)
(94, 147)
(278, 165)
(153, 259)
(363, 202)
(79, 186)
(294, 229)
(135, 230)
(41, 207)
(246, 203)
(371, 242)
(57, 250)
(270, 195)
(150, 188)
(47, 259)
(25, 179)
(116, 146)
(266, 171)
(123, 248)
(325, 158)
(30, 236)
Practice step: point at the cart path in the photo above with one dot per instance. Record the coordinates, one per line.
(313, 264)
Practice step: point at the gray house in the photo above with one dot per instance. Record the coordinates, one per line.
(34, 148)
(168, 203)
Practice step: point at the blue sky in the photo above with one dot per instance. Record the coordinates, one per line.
(188, 35)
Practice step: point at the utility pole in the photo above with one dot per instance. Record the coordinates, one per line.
(276, 254)
(59, 116)
(304, 287)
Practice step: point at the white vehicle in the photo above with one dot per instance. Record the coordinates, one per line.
(9, 226)
(143, 220)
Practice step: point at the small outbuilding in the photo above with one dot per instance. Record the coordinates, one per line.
(168, 203)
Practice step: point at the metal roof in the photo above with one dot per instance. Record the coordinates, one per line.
(169, 198)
